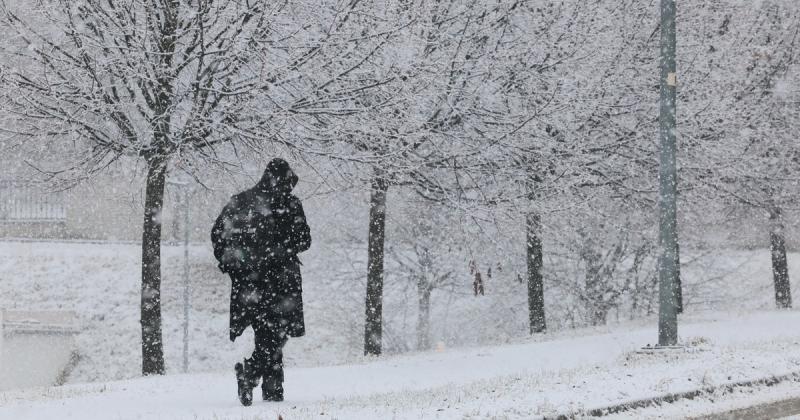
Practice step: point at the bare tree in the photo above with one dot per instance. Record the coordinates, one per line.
(173, 81)
(748, 153)
(425, 251)
(424, 132)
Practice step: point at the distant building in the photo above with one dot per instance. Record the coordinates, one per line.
(104, 208)
(27, 211)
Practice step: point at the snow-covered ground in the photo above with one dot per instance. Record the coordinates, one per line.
(720, 405)
(101, 282)
(561, 373)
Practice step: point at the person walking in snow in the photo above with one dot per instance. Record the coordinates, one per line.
(256, 239)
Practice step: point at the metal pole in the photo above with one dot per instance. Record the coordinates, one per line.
(668, 264)
(2, 326)
(186, 230)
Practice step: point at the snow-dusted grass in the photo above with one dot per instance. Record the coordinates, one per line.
(524, 380)
(719, 402)
(101, 282)
(563, 371)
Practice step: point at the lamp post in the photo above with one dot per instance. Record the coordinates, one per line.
(184, 191)
(668, 236)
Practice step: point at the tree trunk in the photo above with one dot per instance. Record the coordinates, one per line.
(152, 344)
(678, 282)
(599, 316)
(424, 318)
(535, 280)
(374, 300)
(780, 269)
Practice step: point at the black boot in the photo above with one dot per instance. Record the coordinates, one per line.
(245, 382)
(272, 386)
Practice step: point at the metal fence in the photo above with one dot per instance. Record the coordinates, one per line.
(23, 202)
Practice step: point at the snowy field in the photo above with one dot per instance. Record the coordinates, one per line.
(101, 282)
(561, 374)
(565, 371)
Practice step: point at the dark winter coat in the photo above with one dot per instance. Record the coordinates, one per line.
(256, 240)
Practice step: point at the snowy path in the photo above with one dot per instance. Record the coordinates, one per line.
(512, 381)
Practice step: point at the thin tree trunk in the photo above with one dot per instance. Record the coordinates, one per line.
(535, 280)
(599, 316)
(424, 318)
(678, 282)
(373, 326)
(152, 344)
(780, 269)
